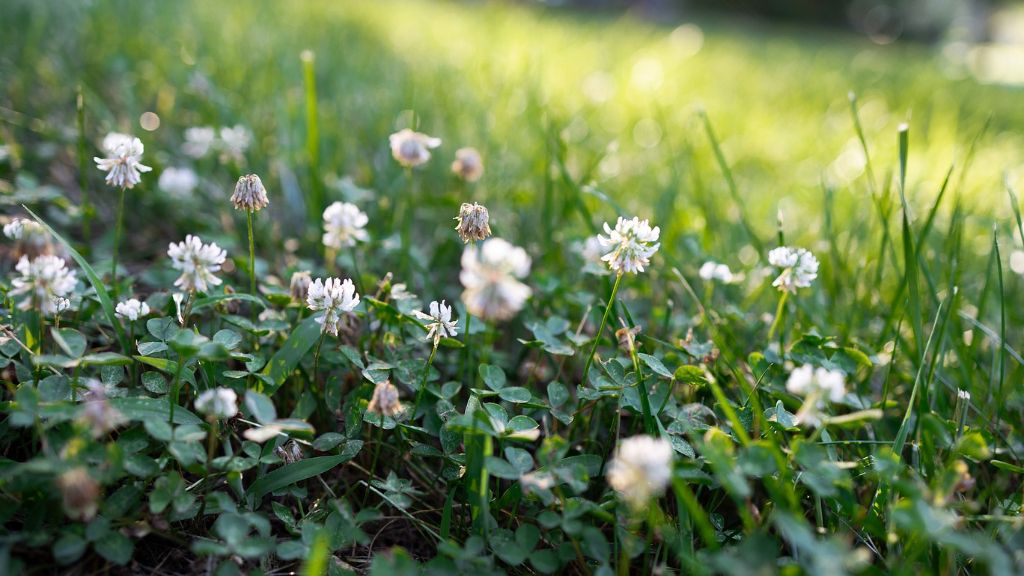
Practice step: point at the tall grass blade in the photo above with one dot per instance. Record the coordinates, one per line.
(94, 279)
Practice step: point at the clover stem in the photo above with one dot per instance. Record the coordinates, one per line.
(604, 320)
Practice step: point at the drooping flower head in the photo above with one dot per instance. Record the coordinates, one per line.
(440, 324)
(249, 194)
(490, 274)
(178, 181)
(473, 223)
(131, 309)
(197, 263)
(218, 403)
(344, 225)
(468, 164)
(817, 386)
(629, 245)
(22, 228)
(641, 469)
(46, 282)
(334, 298)
(123, 162)
(385, 400)
(799, 268)
(411, 148)
(299, 286)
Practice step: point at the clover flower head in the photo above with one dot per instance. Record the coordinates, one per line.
(629, 245)
(473, 223)
(199, 140)
(468, 164)
(46, 282)
(385, 400)
(80, 493)
(344, 225)
(299, 286)
(817, 386)
(123, 162)
(640, 469)
(714, 271)
(23, 229)
(97, 412)
(440, 324)
(412, 148)
(249, 194)
(334, 298)
(218, 403)
(234, 141)
(61, 304)
(490, 275)
(197, 263)
(131, 309)
(178, 181)
(799, 268)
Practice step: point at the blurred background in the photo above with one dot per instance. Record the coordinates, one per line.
(581, 109)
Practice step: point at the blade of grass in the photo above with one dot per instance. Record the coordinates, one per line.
(94, 279)
(733, 191)
(901, 436)
(910, 272)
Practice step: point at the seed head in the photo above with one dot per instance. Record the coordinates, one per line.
(385, 400)
(250, 195)
(299, 286)
(473, 223)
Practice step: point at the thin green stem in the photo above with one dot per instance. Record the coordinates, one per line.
(118, 230)
(175, 390)
(252, 271)
(316, 357)
(604, 320)
(423, 383)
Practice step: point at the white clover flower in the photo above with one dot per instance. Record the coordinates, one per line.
(333, 297)
(473, 223)
(23, 229)
(714, 271)
(179, 299)
(385, 400)
(131, 309)
(468, 164)
(641, 469)
(249, 194)
(197, 263)
(218, 403)
(234, 142)
(490, 275)
(60, 304)
(47, 282)
(199, 140)
(592, 252)
(97, 411)
(799, 268)
(630, 245)
(298, 288)
(816, 385)
(178, 181)
(344, 225)
(441, 324)
(122, 165)
(411, 148)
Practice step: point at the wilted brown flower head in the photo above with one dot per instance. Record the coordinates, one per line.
(290, 452)
(385, 400)
(468, 164)
(250, 195)
(81, 493)
(627, 338)
(473, 223)
(299, 286)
